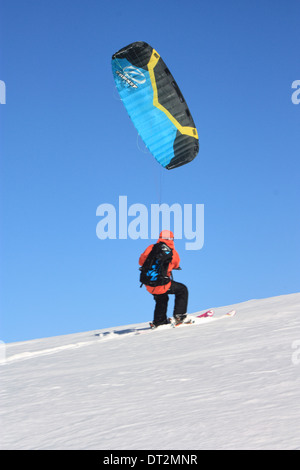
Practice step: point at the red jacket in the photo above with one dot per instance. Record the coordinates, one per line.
(174, 264)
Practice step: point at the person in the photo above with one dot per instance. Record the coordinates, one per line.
(161, 292)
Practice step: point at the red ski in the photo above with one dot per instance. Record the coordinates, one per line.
(209, 313)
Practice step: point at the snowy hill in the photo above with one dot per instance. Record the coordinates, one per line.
(228, 384)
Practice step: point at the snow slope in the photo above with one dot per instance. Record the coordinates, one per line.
(228, 384)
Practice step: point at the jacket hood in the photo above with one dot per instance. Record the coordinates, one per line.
(166, 234)
(167, 237)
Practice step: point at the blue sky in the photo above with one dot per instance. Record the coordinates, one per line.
(68, 145)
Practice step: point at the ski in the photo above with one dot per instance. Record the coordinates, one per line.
(232, 313)
(192, 318)
(209, 313)
(205, 317)
(188, 321)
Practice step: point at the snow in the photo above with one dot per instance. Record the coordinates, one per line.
(228, 384)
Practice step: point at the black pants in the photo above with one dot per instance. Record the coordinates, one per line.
(161, 302)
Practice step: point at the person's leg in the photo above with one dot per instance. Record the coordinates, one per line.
(160, 311)
(181, 298)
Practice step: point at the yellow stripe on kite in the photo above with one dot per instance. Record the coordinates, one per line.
(191, 131)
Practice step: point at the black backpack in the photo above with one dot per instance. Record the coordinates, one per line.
(154, 271)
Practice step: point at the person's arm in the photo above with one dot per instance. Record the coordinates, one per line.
(144, 255)
(175, 260)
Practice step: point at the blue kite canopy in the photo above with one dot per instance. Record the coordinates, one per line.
(155, 104)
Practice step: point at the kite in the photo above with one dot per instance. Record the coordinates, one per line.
(155, 105)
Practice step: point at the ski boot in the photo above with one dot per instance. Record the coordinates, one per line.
(154, 325)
